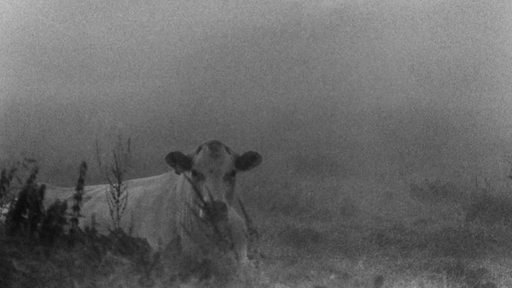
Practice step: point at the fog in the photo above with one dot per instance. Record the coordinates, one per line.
(328, 88)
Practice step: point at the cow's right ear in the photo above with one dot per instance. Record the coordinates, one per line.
(179, 162)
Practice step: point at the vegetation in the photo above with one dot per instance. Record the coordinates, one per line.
(77, 198)
(26, 212)
(33, 234)
(430, 234)
(115, 173)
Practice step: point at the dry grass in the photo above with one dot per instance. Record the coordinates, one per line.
(377, 236)
(314, 232)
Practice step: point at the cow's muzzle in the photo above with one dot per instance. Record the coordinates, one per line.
(216, 211)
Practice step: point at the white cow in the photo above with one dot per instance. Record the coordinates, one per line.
(167, 207)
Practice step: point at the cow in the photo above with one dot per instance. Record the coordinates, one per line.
(172, 206)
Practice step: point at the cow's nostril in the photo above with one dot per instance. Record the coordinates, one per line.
(220, 210)
(220, 207)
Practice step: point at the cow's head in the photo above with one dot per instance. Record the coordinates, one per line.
(212, 168)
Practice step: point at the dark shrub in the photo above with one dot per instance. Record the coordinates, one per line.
(27, 211)
(52, 226)
(459, 242)
(433, 192)
(489, 209)
(77, 198)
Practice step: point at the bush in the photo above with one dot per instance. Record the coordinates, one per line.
(35, 235)
(435, 192)
(52, 226)
(489, 209)
(26, 213)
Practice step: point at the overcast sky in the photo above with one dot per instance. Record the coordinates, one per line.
(395, 82)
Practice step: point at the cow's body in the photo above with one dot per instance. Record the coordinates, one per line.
(163, 208)
(150, 212)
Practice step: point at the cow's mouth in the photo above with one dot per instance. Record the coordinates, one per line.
(215, 212)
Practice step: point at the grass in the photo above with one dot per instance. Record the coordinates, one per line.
(360, 234)
(314, 232)
(400, 256)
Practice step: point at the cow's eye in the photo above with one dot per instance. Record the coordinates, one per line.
(196, 174)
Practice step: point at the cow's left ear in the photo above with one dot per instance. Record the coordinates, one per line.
(179, 161)
(247, 161)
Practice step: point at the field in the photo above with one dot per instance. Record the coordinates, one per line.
(317, 231)
(384, 127)
(366, 235)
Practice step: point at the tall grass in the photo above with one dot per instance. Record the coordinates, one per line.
(36, 235)
(335, 250)
(115, 174)
(27, 211)
(77, 198)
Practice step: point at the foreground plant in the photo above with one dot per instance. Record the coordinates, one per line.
(115, 172)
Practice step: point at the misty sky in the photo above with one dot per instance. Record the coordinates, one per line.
(411, 84)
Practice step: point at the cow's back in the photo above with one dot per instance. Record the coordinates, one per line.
(149, 214)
